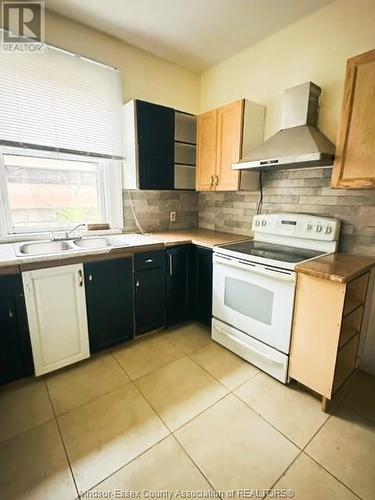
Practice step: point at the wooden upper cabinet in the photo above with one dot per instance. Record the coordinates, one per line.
(229, 145)
(224, 136)
(355, 155)
(206, 150)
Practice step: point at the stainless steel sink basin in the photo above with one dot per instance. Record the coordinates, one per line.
(44, 247)
(92, 243)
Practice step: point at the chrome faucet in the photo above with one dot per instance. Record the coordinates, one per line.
(66, 235)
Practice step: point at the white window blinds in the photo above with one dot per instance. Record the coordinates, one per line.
(60, 100)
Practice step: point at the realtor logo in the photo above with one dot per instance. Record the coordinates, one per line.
(23, 27)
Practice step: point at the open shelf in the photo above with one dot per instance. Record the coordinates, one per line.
(347, 333)
(186, 143)
(350, 306)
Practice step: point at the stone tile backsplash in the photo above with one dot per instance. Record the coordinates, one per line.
(303, 191)
(152, 209)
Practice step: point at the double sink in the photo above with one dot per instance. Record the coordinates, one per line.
(61, 246)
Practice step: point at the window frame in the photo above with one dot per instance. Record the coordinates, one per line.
(109, 186)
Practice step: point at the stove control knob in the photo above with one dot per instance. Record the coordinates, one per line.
(319, 228)
(328, 229)
(264, 223)
(309, 227)
(257, 222)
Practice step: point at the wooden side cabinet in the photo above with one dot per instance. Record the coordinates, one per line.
(326, 330)
(224, 135)
(354, 165)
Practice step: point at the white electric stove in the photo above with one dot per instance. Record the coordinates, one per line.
(254, 286)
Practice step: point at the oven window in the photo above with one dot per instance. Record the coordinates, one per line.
(251, 300)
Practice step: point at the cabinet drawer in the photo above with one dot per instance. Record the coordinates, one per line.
(148, 260)
(345, 363)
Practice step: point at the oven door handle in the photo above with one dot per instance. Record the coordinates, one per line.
(282, 275)
(256, 351)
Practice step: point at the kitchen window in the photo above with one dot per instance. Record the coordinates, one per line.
(46, 193)
(60, 142)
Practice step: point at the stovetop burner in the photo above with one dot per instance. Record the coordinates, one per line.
(282, 253)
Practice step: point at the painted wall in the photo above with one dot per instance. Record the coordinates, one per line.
(315, 48)
(144, 76)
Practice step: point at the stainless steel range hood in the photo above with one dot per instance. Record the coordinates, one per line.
(299, 144)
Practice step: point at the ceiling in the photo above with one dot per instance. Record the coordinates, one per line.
(196, 34)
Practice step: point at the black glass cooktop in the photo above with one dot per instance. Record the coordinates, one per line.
(271, 251)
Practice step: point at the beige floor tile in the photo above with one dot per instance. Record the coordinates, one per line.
(235, 448)
(222, 364)
(107, 433)
(309, 481)
(34, 466)
(23, 405)
(80, 383)
(293, 411)
(345, 446)
(190, 337)
(146, 355)
(180, 390)
(361, 399)
(165, 467)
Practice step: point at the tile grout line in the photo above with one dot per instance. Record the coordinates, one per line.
(194, 463)
(27, 430)
(62, 439)
(303, 451)
(267, 422)
(125, 465)
(332, 475)
(284, 472)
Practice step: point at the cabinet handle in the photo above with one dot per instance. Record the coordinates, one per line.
(80, 278)
(148, 261)
(216, 180)
(170, 265)
(211, 180)
(10, 312)
(137, 283)
(90, 277)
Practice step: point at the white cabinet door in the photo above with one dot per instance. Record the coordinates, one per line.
(56, 309)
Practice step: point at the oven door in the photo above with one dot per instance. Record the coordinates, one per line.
(256, 299)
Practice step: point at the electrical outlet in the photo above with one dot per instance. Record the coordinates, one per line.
(172, 216)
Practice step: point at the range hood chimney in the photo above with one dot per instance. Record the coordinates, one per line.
(299, 144)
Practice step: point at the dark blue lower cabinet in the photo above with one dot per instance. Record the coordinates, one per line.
(179, 267)
(203, 285)
(109, 302)
(16, 359)
(149, 285)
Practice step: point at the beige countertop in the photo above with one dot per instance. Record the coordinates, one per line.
(202, 237)
(12, 262)
(337, 267)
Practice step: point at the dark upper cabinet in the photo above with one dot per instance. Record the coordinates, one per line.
(149, 282)
(15, 348)
(155, 124)
(179, 289)
(156, 169)
(109, 301)
(155, 134)
(159, 147)
(203, 285)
